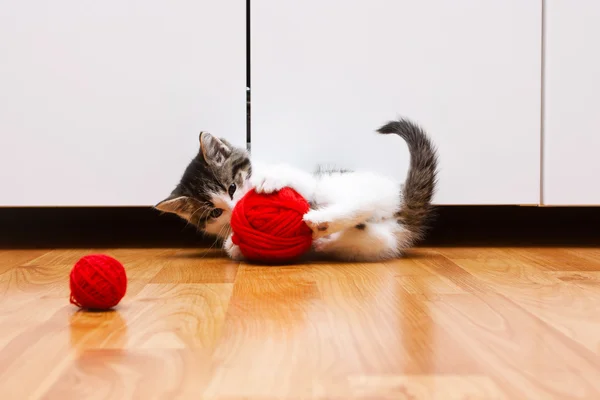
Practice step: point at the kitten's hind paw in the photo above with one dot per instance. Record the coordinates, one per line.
(319, 227)
(327, 244)
(330, 220)
(321, 245)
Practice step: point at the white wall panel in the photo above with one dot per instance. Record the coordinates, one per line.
(101, 102)
(326, 74)
(572, 103)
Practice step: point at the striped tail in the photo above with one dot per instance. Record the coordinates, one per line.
(417, 192)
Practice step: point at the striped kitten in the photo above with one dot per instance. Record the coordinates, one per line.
(356, 216)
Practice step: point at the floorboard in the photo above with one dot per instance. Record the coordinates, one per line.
(442, 323)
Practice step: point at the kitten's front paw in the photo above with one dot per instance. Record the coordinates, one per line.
(270, 185)
(267, 183)
(273, 178)
(233, 250)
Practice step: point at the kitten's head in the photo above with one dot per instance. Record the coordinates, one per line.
(211, 185)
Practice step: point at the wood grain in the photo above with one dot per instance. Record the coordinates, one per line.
(442, 323)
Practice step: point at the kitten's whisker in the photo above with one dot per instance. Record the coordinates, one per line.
(205, 211)
(218, 237)
(188, 221)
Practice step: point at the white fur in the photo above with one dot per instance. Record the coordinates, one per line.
(343, 201)
(233, 250)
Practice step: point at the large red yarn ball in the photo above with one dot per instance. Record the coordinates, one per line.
(98, 282)
(269, 227)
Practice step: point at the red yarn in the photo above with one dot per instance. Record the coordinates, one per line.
(269, 227)
(98, 282)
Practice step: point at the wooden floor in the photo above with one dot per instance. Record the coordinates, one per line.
(444, 323)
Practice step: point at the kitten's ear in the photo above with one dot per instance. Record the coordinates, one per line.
(175, 204)
(213, 149)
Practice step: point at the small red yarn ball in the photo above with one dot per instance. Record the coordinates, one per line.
(98, 282)
(269, 227)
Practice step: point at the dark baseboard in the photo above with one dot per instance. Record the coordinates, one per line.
(94, 228)
(145, 227)
(515, 226)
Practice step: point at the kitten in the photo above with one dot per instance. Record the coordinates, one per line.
(355, 216)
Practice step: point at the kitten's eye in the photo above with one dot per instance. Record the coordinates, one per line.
(216, 213)
(232, 189)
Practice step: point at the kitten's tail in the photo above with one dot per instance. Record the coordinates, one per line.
(419, 187)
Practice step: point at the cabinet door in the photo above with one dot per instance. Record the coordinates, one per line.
(101, 102)
(572, 103)
(326, 74)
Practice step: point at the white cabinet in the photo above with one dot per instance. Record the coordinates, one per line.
(101, 102)
(572, 103)
(326, 74)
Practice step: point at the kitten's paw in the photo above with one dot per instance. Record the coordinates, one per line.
(268, 183)
(319, 225)
(271, 185)
(233, 250)
(321, 245)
